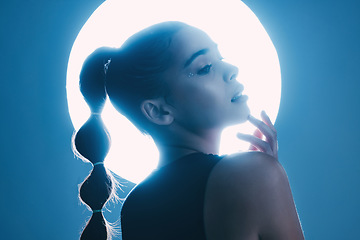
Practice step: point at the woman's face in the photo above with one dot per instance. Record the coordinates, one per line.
(204, 92)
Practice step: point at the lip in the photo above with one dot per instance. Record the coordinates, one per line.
(240, 99)
(237, 96)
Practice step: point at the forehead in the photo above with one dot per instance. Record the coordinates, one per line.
(188, 41)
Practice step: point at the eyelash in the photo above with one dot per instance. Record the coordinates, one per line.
(205, 70)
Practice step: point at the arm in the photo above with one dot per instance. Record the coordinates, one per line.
(279, 219)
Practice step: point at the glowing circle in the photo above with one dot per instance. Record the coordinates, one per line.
(242, 41)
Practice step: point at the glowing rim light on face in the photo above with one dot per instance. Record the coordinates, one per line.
(242, 41)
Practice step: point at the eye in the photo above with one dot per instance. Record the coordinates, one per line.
(205, 70)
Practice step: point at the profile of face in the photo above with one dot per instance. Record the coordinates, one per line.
(203, 90)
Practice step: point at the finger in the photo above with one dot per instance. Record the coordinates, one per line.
(257, 133)
(267, 120)
(265, 129)
(252, 148)
(258, 143)
(274, 144)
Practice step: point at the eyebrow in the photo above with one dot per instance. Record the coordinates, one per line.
(195, 55)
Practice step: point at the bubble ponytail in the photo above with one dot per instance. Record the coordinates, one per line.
(136, 72)
(92, 142)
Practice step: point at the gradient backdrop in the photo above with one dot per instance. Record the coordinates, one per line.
(318, 123)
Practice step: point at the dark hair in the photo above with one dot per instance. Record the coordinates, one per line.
(128, 75)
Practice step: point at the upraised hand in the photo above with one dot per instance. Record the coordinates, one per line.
(266, 128)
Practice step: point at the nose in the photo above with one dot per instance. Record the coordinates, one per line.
(230, 72)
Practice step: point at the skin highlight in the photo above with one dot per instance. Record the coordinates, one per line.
(198, 107)
(171, 81)
(248, 195)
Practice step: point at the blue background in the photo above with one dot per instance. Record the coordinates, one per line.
(318, 123)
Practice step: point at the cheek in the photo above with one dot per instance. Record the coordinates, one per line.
(211, 96)
(204, 105)
(203, 96)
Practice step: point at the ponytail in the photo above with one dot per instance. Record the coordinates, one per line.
(136, 73)
(92, 142)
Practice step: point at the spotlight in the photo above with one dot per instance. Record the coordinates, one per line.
(241, 38)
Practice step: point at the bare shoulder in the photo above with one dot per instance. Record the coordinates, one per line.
(245, 197)
(248, 167)
(242, 176)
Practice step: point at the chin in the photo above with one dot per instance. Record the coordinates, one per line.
(242, 117)
(238, 121)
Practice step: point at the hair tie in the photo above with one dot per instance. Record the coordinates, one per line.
(106, 65)
(98, 163)
(97, 211)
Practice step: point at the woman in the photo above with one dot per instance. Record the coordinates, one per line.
(172, 83)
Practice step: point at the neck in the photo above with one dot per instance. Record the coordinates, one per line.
(175, 147)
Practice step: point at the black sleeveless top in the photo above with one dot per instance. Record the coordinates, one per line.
(169, 204)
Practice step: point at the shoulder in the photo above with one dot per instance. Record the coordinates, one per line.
(247, 167)
(244, 192)
(239, 178)
(246, 181)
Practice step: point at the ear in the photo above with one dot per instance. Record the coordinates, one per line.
(157, 111)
